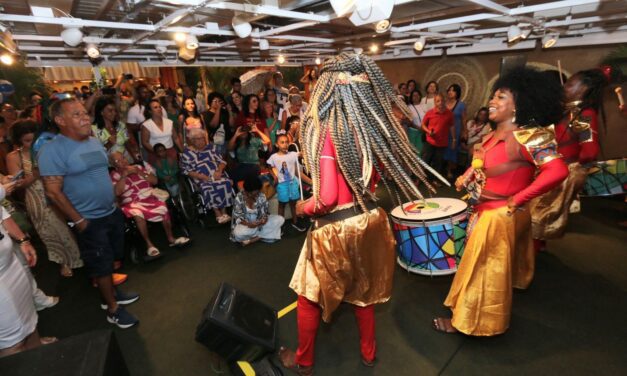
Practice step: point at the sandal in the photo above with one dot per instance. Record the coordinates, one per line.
(288, 361)
(48, 340)
(443, 325)
(153, 252)
(179, 241)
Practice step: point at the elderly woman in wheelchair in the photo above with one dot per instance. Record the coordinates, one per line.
(133, 185)
(205, 167)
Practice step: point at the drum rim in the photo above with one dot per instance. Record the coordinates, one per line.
(454, 214)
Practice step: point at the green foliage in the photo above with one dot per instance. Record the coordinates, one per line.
(219, 78)
(24, 80)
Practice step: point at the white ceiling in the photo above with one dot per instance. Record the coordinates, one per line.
(301, 30)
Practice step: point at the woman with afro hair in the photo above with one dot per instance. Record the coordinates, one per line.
(515, 163)
(577, 140)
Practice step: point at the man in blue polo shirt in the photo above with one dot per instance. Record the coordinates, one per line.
(74, 168)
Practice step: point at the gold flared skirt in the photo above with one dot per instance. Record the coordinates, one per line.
(498, 256)
(549, 212)
(351, 261)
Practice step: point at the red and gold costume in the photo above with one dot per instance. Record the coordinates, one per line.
(499, 253)
(348, 257)
(578, 142)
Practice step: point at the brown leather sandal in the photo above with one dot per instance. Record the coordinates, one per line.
(288, 361)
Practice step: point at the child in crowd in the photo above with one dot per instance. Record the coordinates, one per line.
(167, 170)
(285, 165)
(273, 124)
(251, 218)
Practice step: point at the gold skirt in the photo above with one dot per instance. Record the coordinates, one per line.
(549, 212)
(351, 260)
(498, 256)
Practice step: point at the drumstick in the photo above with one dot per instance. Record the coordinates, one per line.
(619, 95)
(559, 67)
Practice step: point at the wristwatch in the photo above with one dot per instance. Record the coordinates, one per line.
(23, 240)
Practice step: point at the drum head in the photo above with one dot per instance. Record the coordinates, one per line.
(435, 208)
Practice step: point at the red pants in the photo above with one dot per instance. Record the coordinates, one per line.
(308, 318)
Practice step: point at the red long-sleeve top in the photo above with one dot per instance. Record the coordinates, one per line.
(578, 147)
(510, 169)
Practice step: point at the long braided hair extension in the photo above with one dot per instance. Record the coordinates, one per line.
(352, 102)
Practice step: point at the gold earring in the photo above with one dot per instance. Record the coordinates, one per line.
(514, 117)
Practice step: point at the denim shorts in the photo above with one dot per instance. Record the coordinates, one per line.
(288, 191)
(101, 243)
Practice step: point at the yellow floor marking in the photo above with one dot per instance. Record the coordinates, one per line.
(246, 368)
(286, 310)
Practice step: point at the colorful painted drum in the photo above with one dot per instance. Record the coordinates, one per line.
(606, 178)
(430, 235)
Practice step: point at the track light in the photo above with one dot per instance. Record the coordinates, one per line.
(342, 7)
(187, 54)
(241, 27)
(161, 49)
(7, 59)
(180, 38)
(382, 26)
(318, 61)
(264, 44)
(419, 45)
(92, 51)
(514, 34)
(72, 36)
(549, 40)
(191, 42)
(281, 59)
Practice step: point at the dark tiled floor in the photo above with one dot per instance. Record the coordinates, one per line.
(571, 320)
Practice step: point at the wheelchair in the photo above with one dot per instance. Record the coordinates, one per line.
(134, 244)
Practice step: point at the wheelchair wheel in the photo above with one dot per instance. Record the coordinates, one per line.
(134, 255)
(185, 201)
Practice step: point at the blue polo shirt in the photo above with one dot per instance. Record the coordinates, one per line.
(85, 170)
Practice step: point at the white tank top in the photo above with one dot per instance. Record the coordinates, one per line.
(157, 136)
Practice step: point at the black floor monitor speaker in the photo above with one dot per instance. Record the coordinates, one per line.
(90, 354)
(237, 326)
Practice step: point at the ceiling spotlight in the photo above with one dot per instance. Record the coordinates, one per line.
(549, 40)
(161, 49)
(419, 45)
(187, 54)
(264, 44)
(92, 51)
(7, 59)
(374, 48)
(318, 61)
(72, 36)
(382, 26)
(342, 7)
(281, 59)
(180, 38)
(191, 42)
(514, 34)
(241, 26)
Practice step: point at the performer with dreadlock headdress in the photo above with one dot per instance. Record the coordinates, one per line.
(578, 141)
(499, 252)
(349, 136)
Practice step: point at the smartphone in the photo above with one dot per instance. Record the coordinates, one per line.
(18, 175)
(60, 96)
(108, 91)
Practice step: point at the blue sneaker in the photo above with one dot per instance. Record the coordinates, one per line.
(124, 298)
(122, 318)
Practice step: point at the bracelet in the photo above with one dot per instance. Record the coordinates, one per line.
(79, 221)
(23, 240)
